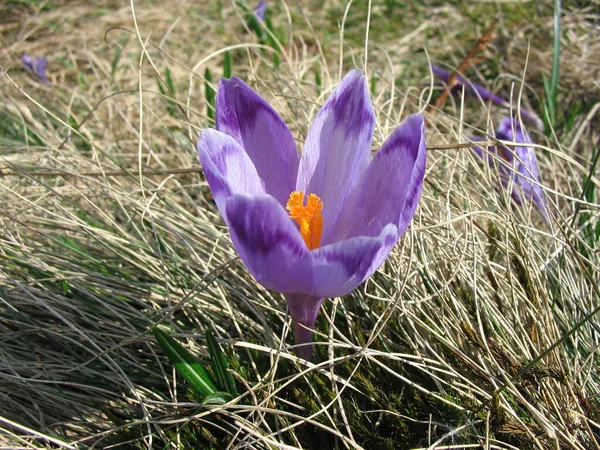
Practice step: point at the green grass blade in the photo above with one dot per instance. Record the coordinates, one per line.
(169, 80)
(227, 65)
(115, 61)
(209, 92)
(551, 86)
(587, 193)
(220, 365)
(185, 363)
(556, 53)
(254, 25)
(550, 116)
(251, 20)
(218, 398)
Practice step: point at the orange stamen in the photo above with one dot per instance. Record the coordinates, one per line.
(308, 217)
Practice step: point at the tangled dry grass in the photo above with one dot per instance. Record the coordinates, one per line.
(480, 331)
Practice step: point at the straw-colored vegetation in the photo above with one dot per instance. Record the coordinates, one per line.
(479, 331)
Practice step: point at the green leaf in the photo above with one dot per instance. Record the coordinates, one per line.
(169, 80)
(227, 65)
(185, 363)
(549, 117)
(210, 95)
(160, 87)
(115, 61)
(556, 52)
(254, 25)
(169, 92)
(218, 398)
(220, 365)
(252, 20)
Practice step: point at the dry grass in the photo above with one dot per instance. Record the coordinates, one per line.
(479, 331)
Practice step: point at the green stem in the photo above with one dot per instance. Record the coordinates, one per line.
(556, 56)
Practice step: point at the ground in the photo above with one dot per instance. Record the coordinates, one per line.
(479, 331)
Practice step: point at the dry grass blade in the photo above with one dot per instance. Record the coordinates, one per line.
(478, 332)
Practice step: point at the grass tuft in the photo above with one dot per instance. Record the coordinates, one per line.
(480, 330)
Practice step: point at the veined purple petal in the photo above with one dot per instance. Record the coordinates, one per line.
(389, 191)
(338, 147)
(526, 168)
(36, 65)
(341, 267)
(227, 167)
(510, 130)
(303, 310)
(261, 10)
(249, 119)
(523, 170)
(272, 249)
(269, 243)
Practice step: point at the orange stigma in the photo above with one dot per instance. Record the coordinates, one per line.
(308, 217)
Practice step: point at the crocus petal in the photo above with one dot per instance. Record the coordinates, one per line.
(303, 310)
(227, 167)
(523, 170)
(526, 175)
(249, 119)
(269, 243)
(390, 189)
(341, 267)
(40, 68)
(479, 91)
(444, 74)
(261, 10)
(529, 170)
(492, 154)
(338, 147)
(36, 65)
(474, 89)
(510, 130)
(28, 61)
(478, 150)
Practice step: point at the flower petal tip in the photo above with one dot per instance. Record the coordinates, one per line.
(245, 116)
(351, 104)
(260, 10)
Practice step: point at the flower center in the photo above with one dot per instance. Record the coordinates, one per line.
(308, 217)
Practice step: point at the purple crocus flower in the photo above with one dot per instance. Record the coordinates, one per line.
(523, 170)
(479, 91)
(261, 10)
(314, 226)
(37, 65)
